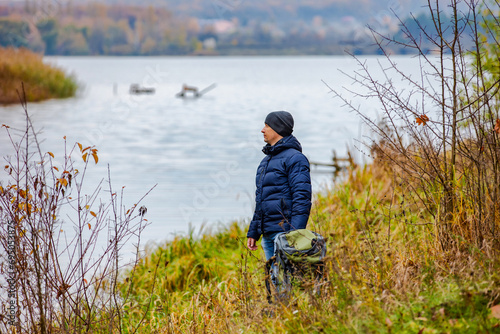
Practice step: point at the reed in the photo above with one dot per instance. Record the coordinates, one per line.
(41, 81)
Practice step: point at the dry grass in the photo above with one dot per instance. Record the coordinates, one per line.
(41, 81)
(384, 272)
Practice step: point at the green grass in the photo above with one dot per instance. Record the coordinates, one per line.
(384, 275)
(41, 81)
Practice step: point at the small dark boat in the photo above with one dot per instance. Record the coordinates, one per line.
(136, 89)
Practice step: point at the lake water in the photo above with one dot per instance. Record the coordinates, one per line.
(201, 153)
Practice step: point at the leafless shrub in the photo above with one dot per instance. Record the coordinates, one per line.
(440, 134)
(60, 274)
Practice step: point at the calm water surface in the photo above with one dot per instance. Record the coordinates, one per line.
(201, 153)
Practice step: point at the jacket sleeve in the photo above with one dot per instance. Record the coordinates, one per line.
(299, 180)
(253, 229)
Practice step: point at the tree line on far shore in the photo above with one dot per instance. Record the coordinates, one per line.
(98, 29)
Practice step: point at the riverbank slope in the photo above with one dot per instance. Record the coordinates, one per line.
(385, 273)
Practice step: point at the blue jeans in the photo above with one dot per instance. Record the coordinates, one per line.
(268, 244)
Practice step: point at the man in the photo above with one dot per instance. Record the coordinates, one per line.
(283, 195)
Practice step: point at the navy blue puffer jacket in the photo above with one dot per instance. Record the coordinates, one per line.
(283, 195)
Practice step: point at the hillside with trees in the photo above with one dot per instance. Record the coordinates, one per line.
(198, 27)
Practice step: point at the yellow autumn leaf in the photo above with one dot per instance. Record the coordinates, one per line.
(93, 213)
(90, 226)
(80, 146)
(64, 137)
(63, 182)
(57, 169)
(51, 154)
(87, 207)
(84, 157)
(95, 157)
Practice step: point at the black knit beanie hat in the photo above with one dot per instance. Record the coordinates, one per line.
(281, 122)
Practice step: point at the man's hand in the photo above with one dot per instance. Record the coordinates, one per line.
(251, 244)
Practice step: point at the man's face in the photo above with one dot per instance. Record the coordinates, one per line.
(270, 136)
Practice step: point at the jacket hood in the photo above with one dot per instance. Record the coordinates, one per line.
(283, 144)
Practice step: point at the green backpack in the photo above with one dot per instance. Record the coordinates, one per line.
(298, 258)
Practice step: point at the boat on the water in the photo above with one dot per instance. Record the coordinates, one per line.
(193, 92)
(136, 89)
